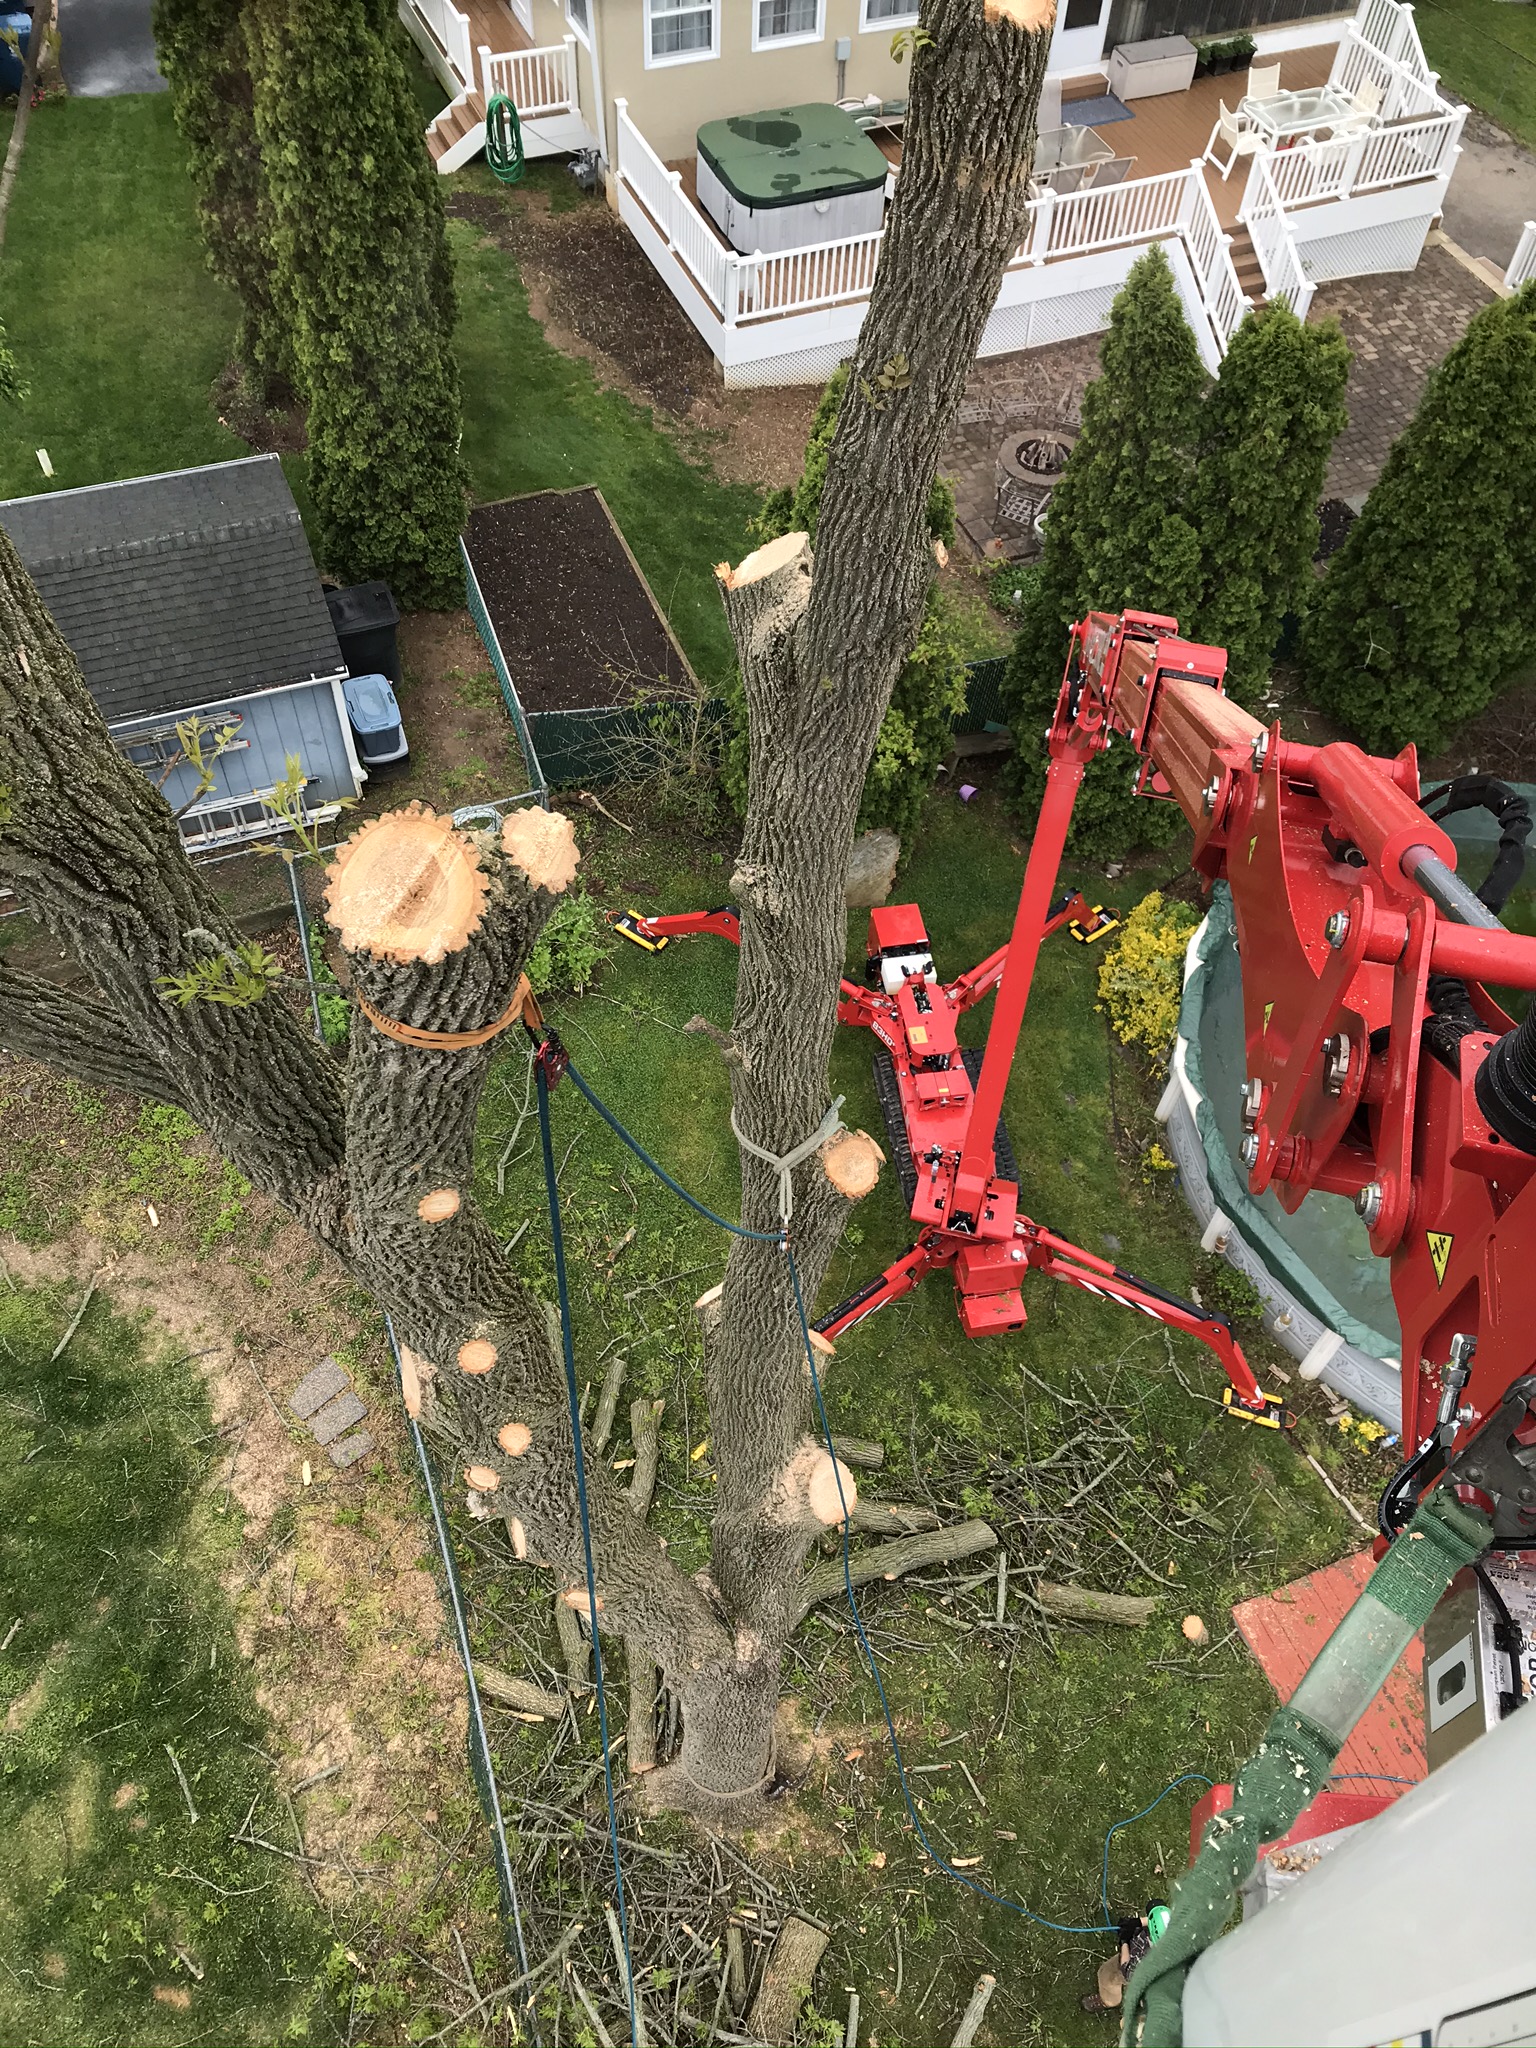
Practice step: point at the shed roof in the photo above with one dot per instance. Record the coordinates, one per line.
(179, 590)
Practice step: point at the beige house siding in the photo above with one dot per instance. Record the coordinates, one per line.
(669, 103)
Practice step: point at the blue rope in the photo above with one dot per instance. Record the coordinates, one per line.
(1189, 1777)
(574, 1401)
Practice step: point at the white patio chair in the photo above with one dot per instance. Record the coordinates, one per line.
(1048, 114)
(1240, 136)
(1364, 109)
(1115, 172)
(1263, 82)
(1067, 179)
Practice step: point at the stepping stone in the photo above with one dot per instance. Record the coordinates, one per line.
(350, 1449)
(317, 1387)
(338, 1415)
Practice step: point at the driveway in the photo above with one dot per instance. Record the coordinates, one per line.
(1492, 193)
(106, 47)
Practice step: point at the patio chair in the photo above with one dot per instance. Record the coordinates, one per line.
(1048, 115)
(1115, 172)
(1068, 179)
(1263, 82)
(1240, 136)
(1366, 106)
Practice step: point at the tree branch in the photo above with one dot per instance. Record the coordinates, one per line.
(892, 1560)
(81, 1038)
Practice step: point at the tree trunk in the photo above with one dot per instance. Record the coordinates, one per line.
(821, 645)
(37, 36)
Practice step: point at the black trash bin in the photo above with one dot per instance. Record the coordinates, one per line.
(366, 616)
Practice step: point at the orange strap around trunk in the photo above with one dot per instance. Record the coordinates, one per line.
(452, 1041)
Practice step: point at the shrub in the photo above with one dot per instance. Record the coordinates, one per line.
(570, 949)
(1141, 978)
(1425, 608)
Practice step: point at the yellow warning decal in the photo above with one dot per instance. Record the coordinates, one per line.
(1440, 1242)
(1253, 842)
(1268, 1007)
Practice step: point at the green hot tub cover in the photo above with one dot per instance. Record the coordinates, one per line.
(787, 155)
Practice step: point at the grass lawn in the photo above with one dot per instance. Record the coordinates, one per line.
(120, 331)
(1485, 50)
(121, 1920)
(1063, 1741)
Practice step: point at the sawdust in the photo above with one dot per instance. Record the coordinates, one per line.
(176, 1995)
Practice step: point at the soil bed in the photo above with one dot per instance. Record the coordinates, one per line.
(575, 618)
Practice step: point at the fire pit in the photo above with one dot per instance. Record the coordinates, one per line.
(1029, 467)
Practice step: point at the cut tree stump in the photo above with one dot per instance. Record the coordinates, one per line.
(406, 887)
(1082, 1603)
(786, 1982)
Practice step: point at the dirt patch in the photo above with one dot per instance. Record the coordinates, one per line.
(576, 623)
(594, 292)
(176, 1995)
(268, 430)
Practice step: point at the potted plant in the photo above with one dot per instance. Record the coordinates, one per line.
(1243, 49)
(1204, 52)
(1222, 58)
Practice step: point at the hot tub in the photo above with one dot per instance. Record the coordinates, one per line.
(790, 176)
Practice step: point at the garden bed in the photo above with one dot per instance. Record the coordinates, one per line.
(580, 646)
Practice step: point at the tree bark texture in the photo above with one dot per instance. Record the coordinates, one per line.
(821, 644)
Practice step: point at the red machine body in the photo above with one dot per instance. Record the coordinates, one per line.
(1347, 905)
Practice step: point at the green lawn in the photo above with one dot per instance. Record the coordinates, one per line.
(1485, 50)
(120, 1919)
(120, 331)
(1061, 1745)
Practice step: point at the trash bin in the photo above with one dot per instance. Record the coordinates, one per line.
(365, 617)
(13, 22)
(374, 716)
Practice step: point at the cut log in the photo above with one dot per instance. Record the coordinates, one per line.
(642, 1707)
(1082, 1603)
(543, 844)
(786, 1982)
(852, 1162)
(575, 1650)
(893, 1518)
(406, 887)
(520, 1693)
(855, 1450)
(971, 2018)
(608, 1404)
(891, 1560)
(647, 1441)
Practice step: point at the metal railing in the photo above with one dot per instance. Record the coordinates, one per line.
(541, 81)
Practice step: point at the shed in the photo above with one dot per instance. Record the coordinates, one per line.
(790, 177)
(194, 595)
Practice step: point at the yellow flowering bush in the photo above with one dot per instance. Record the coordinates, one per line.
(1363, 1431)
(1141, 977)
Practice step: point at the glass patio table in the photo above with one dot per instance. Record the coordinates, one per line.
(1307, 112)
(1061, 149)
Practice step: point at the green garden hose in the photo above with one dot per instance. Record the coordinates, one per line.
(504, 140)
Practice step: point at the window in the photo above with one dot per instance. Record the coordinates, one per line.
(786, 21)
(1082, 14)
(679, 31)
(579, 14)
(887, 13)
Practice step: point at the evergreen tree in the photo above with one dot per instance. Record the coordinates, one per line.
(1265, 436)
(1425, 609)
(361, 252)
(202, 49)
(1119, 533)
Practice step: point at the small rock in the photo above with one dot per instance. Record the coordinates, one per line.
(872, 869)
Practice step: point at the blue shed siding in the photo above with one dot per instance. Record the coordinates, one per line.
(273, 725)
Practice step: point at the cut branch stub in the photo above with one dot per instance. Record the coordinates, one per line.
(852, 1162)
(439, 1205)
(406, 887)
(514, 1438)
(476, 1357)
(766, 561)
(481, 1478)
(543, 844)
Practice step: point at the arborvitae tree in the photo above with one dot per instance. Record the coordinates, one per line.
(202, 49)
(1265, 434)
(1426, 607)
(930, 691)
(1119, 533)
(360, 246)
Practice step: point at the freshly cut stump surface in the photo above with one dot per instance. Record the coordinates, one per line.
(577, 625)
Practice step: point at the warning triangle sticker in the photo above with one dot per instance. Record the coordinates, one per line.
(1440, 1242)
(1267, 1009)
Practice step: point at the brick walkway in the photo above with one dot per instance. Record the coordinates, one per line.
(1399, 327)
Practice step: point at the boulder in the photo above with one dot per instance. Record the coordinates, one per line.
(872, 869)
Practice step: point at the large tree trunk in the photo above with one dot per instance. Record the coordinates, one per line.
(821, 645)
(437, 925)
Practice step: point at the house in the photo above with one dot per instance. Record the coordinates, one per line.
(635, 80)
(193, 596)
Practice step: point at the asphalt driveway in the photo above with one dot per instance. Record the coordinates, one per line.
(106, 47)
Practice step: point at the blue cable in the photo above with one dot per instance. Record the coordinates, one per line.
(1189, 1777)
(573, 1398)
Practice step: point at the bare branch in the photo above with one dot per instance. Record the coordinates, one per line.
(83, 1039)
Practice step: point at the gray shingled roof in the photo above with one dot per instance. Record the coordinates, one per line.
(181, 590)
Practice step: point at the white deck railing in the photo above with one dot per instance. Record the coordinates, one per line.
(1522, 265)
(536, 81)
(1209, 247)
(1381, 47)
(1313, 172)
(1279, 259)
(450, 31)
